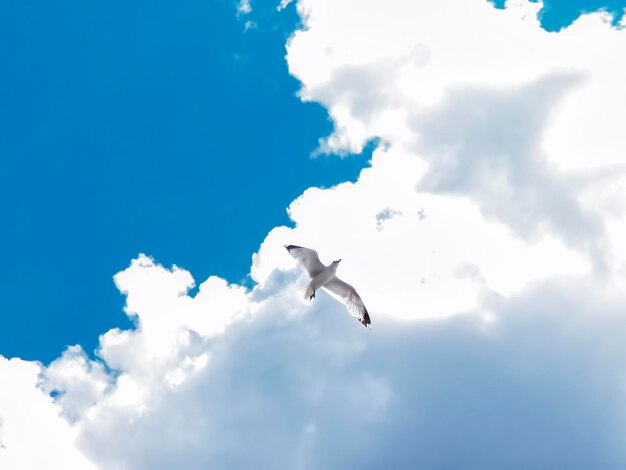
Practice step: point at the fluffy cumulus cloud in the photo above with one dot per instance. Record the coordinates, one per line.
(486, 238)
(33, 434)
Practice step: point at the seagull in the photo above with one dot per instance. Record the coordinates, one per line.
(324, 277)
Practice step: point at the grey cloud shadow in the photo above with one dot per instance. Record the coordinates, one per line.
(486, 144)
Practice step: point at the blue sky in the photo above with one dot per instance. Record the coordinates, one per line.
(149, 127)
(475, 191)
(557, 14)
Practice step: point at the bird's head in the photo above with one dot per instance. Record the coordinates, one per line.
(336, 262)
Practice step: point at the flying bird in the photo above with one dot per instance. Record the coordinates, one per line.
(324, 277)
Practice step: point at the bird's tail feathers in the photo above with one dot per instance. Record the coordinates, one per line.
(309, 293)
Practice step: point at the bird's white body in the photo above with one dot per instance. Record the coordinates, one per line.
(320, 280)
(324, 277)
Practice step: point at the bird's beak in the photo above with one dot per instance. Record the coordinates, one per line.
(339, 260)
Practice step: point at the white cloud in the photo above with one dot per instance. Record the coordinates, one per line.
(244, 7)
(498, 108)
(476, 97)
(412, 54)
(34, 435)
(497, 192)
(421, 259)
(283, 4)
(82, 383)
(308, 388)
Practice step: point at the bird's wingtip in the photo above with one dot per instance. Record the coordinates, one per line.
(367, 323)
(291, 247)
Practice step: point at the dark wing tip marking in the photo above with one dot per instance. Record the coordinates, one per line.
(365, 321)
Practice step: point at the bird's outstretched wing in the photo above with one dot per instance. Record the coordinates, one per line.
(345, 293)
(307, 259)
